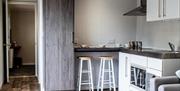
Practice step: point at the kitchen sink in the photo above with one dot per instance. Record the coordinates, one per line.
(159, 51)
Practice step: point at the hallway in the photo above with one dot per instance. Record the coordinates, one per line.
(22, 84)
(24, 70)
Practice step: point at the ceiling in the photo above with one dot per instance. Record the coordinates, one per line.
(21, 7)
(23, 0)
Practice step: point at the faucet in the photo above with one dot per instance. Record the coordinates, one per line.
(172, 46)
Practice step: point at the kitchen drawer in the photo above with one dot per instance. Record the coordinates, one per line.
(139, 60)
(154, 71)
(154, 63)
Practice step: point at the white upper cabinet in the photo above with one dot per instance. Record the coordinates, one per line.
(163, 9)
(154, 9)
(171, 9)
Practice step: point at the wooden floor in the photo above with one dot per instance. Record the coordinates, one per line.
(22, 84)
(26, 84)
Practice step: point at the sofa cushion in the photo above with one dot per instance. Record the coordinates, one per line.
(178, 74)
(169, 87)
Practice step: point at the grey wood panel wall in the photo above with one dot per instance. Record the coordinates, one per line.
(59, 56)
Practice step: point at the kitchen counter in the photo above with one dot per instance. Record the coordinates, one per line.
(97, 49)
(161, 54)
(95, 53)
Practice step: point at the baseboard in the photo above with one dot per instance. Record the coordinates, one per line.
(1, 84)
(42, 87)
(28, 64)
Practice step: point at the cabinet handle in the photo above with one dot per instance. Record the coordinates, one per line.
(72, 37)
(164, 8)
(159, 9)
(126, 65)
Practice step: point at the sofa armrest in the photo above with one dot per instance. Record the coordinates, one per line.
(156, 82)
(169, 87)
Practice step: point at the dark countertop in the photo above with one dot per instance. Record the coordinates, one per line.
(97, 49)
(162, 54)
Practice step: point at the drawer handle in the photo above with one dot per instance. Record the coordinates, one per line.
(159, 9)
(164, 8)
(126, 65)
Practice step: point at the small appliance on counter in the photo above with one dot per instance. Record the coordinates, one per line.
(135, 45)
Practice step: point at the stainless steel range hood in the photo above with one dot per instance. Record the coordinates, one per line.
(139, 11)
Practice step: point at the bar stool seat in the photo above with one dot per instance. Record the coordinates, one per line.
(83, 71)
(107, 58)
(103, 71)
(85, 58)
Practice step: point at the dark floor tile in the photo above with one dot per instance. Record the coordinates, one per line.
(25, 70)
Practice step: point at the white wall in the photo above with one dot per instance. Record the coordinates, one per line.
(23, 31)
(158, 34)
(1, 47)
(101, 21)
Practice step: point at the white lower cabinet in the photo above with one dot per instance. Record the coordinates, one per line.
(124, 72)
(167, 67)
(151, 66)
(155, 64)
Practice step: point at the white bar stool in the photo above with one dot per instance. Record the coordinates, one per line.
(110, 70)
(82, 72)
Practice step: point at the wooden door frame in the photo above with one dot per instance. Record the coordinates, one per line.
(4, 42)
(36, 35)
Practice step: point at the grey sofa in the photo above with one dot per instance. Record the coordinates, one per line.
(165, 84)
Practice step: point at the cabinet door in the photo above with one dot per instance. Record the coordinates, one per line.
(171, 9)
(124, 72)
(154, 10)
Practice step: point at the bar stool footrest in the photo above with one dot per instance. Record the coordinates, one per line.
(85, 83)
(85, 71)
(107, 71)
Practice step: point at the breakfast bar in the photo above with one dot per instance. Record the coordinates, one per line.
(95, 53)
(162, 54)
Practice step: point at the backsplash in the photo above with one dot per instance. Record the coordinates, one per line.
(99, 22)
(158, 34)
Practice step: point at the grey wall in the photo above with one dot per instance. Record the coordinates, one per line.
(1, 47)
(158, 34)
(23, 31)
(101, 21)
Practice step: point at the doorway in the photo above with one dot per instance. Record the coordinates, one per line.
(21, 39)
